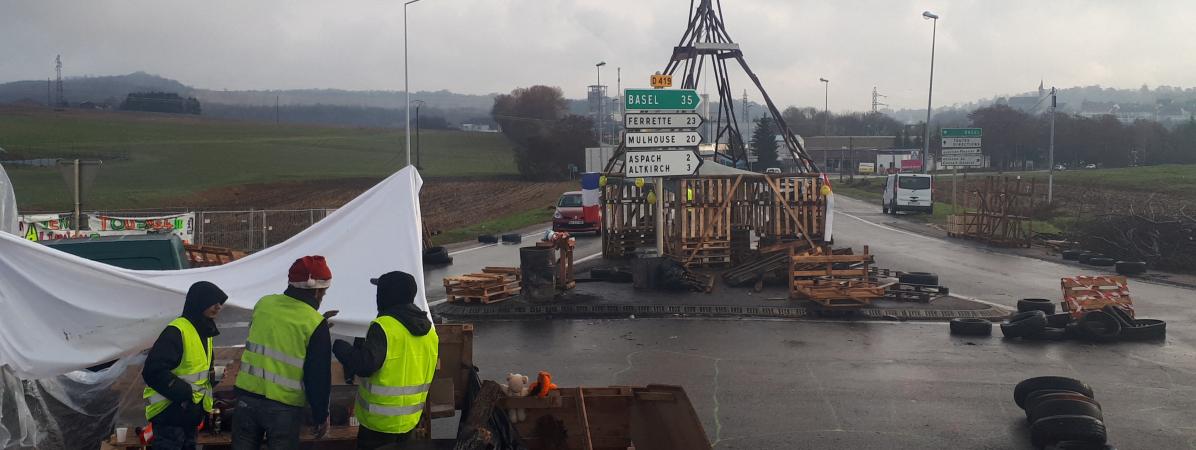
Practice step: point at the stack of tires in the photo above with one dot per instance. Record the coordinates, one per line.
(437, 256)
(1099, 260)
(1036, 320)
(1063, 413)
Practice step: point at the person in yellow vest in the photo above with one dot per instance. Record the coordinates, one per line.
(177, 371)
(287, 362)
(397, 361)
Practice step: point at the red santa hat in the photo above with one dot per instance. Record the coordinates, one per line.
(310, 272)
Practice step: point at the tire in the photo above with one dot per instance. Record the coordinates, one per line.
(602, 273)
(1058, 320)
(487, 238)
(1145, 330)
(1023, 324)
(1123, 317)
(1029, 385)
(921, 278)
(1099, 326)
(971, 327)
(1065, 407)
(1038, 397)
(1071, 255)
(1130, 267)
(1081, 445)
(1036, 304)
(1084, 257)
(1101, 262)
(1049, 430)
(437, 255)
(1049, 334)
(512, 238)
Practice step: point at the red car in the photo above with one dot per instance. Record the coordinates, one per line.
(570, 217)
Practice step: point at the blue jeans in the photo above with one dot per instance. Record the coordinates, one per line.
(172, 437)
(257, 418)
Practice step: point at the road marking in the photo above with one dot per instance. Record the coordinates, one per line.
(235, 325)
(974, 299)
(885, 227)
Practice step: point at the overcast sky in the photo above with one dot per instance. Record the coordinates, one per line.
(985, 48)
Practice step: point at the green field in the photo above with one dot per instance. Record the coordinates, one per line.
(150, 159)
(1171, 179)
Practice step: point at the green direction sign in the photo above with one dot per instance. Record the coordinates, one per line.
(660, 99)
(962, 132)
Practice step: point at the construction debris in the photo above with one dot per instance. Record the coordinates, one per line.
(834, 281)
(494, 284)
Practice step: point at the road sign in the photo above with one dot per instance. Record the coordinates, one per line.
(961, 142)
(660, 99)
(662, 139)
(662, 163)
(962, 132)
(961, 151)
(649, 121)
(962, 160)
(662, 81)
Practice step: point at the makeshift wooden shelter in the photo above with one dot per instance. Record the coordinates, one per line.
(997, 212)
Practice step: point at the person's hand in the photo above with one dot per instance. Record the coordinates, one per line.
(330, 314)
(320, 430)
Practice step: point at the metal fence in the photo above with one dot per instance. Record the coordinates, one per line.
(248, 231)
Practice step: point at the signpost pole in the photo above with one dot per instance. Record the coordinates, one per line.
(954, 186)
(659, 184)
(77, 196)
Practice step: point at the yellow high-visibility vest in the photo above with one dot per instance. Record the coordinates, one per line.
(193, 368)
(272, 365)
(392, 399)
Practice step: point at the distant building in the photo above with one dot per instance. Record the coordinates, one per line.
(1163, 111)
(476, 127)
(844, 152)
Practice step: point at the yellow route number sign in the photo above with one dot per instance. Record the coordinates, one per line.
(662, 81)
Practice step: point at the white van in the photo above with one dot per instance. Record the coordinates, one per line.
(908, 192)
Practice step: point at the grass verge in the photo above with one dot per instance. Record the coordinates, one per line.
(500, 225)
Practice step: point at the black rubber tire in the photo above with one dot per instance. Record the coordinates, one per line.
(1073, 330)
(1123, 317)
(971, 327)
(1131, 267)
(1101, 262)
(1059, 320)
(1145, 330)
(1071, 255)
(1049, 430)
(1081, 445)
(1049, 334)
(1023, 324)
(1029, 385)
(922, 278)
(1099, 326)
(1084, 257)
(1065, 407)
(512, 238)
(437, 255)
(1035, 398)
(487, 238)
(1036, 304)
(602, 273)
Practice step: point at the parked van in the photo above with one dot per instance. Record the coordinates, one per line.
(908, 192)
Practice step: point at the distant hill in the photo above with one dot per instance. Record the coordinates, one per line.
(1070, 100)
(110, 89)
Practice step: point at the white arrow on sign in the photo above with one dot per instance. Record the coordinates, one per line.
(662, 139)
(661, 163)
(646, 121)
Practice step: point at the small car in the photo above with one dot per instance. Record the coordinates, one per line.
(570, 215)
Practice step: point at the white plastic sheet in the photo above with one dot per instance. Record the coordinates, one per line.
(60, 313)
(8, 204)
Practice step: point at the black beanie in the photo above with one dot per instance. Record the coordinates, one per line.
(395, 288)
(201, 296)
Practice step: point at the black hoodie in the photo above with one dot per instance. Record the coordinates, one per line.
(167, 352)
(395, 298)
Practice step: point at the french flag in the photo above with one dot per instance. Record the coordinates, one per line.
(589, 196)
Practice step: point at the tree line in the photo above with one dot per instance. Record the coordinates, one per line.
(164, 102)
(547, 138)
(1014, 139)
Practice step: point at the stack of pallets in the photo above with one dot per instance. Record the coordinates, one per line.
(494, 284)
(834, 279)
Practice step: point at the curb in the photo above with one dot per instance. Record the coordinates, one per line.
(481, 313)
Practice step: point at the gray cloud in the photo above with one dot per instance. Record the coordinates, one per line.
(481, 46)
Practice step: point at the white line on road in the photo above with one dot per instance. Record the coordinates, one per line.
(974, 299)
(886, 227)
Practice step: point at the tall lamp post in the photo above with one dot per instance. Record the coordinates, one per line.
(601, 103)
(1051, 175)
(418, 156)
(826, 117)
(406, 87)
(930, 92)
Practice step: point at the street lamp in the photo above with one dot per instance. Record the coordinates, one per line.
(418, 156)
(406, 87)
(601, 102)
(930, 92)
(826, 117)
(1051, 162)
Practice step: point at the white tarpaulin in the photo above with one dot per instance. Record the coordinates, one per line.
(8, 204)
(60, 313)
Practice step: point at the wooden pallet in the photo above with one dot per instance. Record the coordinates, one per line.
(1083, 294)
(493, 284)
(834, 278)
(207, 256)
